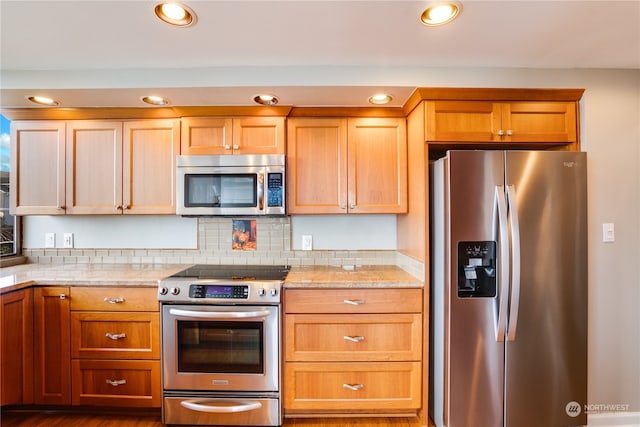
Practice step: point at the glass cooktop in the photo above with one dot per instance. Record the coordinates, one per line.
(235, 272)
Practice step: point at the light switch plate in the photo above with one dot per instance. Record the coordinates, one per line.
(608, 232)
(68, 240)
(49, 240)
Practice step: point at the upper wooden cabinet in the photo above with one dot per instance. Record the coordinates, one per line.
(94, 167)
(501, 122)
(220, 135)
(122, 167)
(338, 166)
(37, 167)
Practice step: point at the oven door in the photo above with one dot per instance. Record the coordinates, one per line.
(221, 348)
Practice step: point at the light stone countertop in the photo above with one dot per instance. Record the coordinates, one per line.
(375, 276)
(22, 276)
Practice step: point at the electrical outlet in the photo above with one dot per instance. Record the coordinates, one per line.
(49, 240)
(307, 242)
(68, 240)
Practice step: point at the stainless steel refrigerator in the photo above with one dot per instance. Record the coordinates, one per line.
(508, 289)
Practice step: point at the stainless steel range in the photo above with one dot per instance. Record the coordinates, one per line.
(221, 347)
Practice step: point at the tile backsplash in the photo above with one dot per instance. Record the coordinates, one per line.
(214, 247)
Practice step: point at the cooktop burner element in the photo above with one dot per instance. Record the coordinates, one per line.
(224, 284)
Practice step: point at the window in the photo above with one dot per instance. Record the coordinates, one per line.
(10, 241)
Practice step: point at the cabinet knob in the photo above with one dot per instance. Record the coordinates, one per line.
(509, 132)
(500, 132)
(352, 206)
(236, 146)
(118, 207)
(63, 296)
(227, 147)
(125, 207)
(343, 206)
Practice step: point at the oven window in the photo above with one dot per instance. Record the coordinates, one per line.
(220, 347)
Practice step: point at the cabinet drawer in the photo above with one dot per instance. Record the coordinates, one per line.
(353, 300)
(110, 298)
(130, 383)
(122, 335)
(353, 337)
(376, 386)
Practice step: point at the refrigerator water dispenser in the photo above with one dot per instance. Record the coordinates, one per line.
(477, 269)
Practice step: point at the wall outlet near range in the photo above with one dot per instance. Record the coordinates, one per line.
(68, 240)
(307, 242)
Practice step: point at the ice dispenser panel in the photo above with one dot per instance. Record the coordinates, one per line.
(477, 269)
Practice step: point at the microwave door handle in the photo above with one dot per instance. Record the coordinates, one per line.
(209, 406)
(260, 191)
(219, 314)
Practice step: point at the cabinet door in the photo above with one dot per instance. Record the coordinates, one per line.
(377, 166)
(258, 135)
(148, 168)
(16, 348)
(206, 135)
(317, 166)
(546, 122)
(462, 121)
(94, 167)
(37, 168)
(51, 346)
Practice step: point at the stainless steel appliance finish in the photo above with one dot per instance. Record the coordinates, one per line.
(221, 350)
(509, 289)
(230, 185)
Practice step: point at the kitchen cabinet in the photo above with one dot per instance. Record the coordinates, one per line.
(339, 166)
(121, 167)
(37, 168)
(226, 135)
(51, 349)
(115, 347)
(551, 122)
(352, 350)
(16, 348)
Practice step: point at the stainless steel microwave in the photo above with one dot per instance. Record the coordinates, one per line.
(230, 185)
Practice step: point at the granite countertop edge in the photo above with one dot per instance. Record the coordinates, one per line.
(146, 275)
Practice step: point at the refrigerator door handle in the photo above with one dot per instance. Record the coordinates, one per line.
(515, 263)
(500, 219)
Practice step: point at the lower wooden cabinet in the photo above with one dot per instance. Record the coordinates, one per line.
(115, 353)
(16, 348)
(352, 350)
(126, 383)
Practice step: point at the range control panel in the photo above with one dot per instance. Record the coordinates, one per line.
(477, 269)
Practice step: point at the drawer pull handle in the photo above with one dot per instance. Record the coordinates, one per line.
(116, 337)
(116, 383)
(354, 301)
(114, 300)
(353, 339)
(354, 387)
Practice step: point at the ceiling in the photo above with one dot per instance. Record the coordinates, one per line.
(308, 52)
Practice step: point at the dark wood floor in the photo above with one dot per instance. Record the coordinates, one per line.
(51, 419)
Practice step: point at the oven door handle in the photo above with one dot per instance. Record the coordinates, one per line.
(209, 406)
(219, 314)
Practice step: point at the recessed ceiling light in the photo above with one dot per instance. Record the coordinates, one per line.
(265, 99)
(441, 13)
(155, 100)
(175, 14)
(380, 99)
(43, 100)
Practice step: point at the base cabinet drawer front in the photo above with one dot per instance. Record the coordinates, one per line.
(110, 298)
(353, 300)
(353, 337)
(130, 383)
(375, 386)
(121, 335)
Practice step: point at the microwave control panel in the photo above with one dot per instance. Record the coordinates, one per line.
(275, 189)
